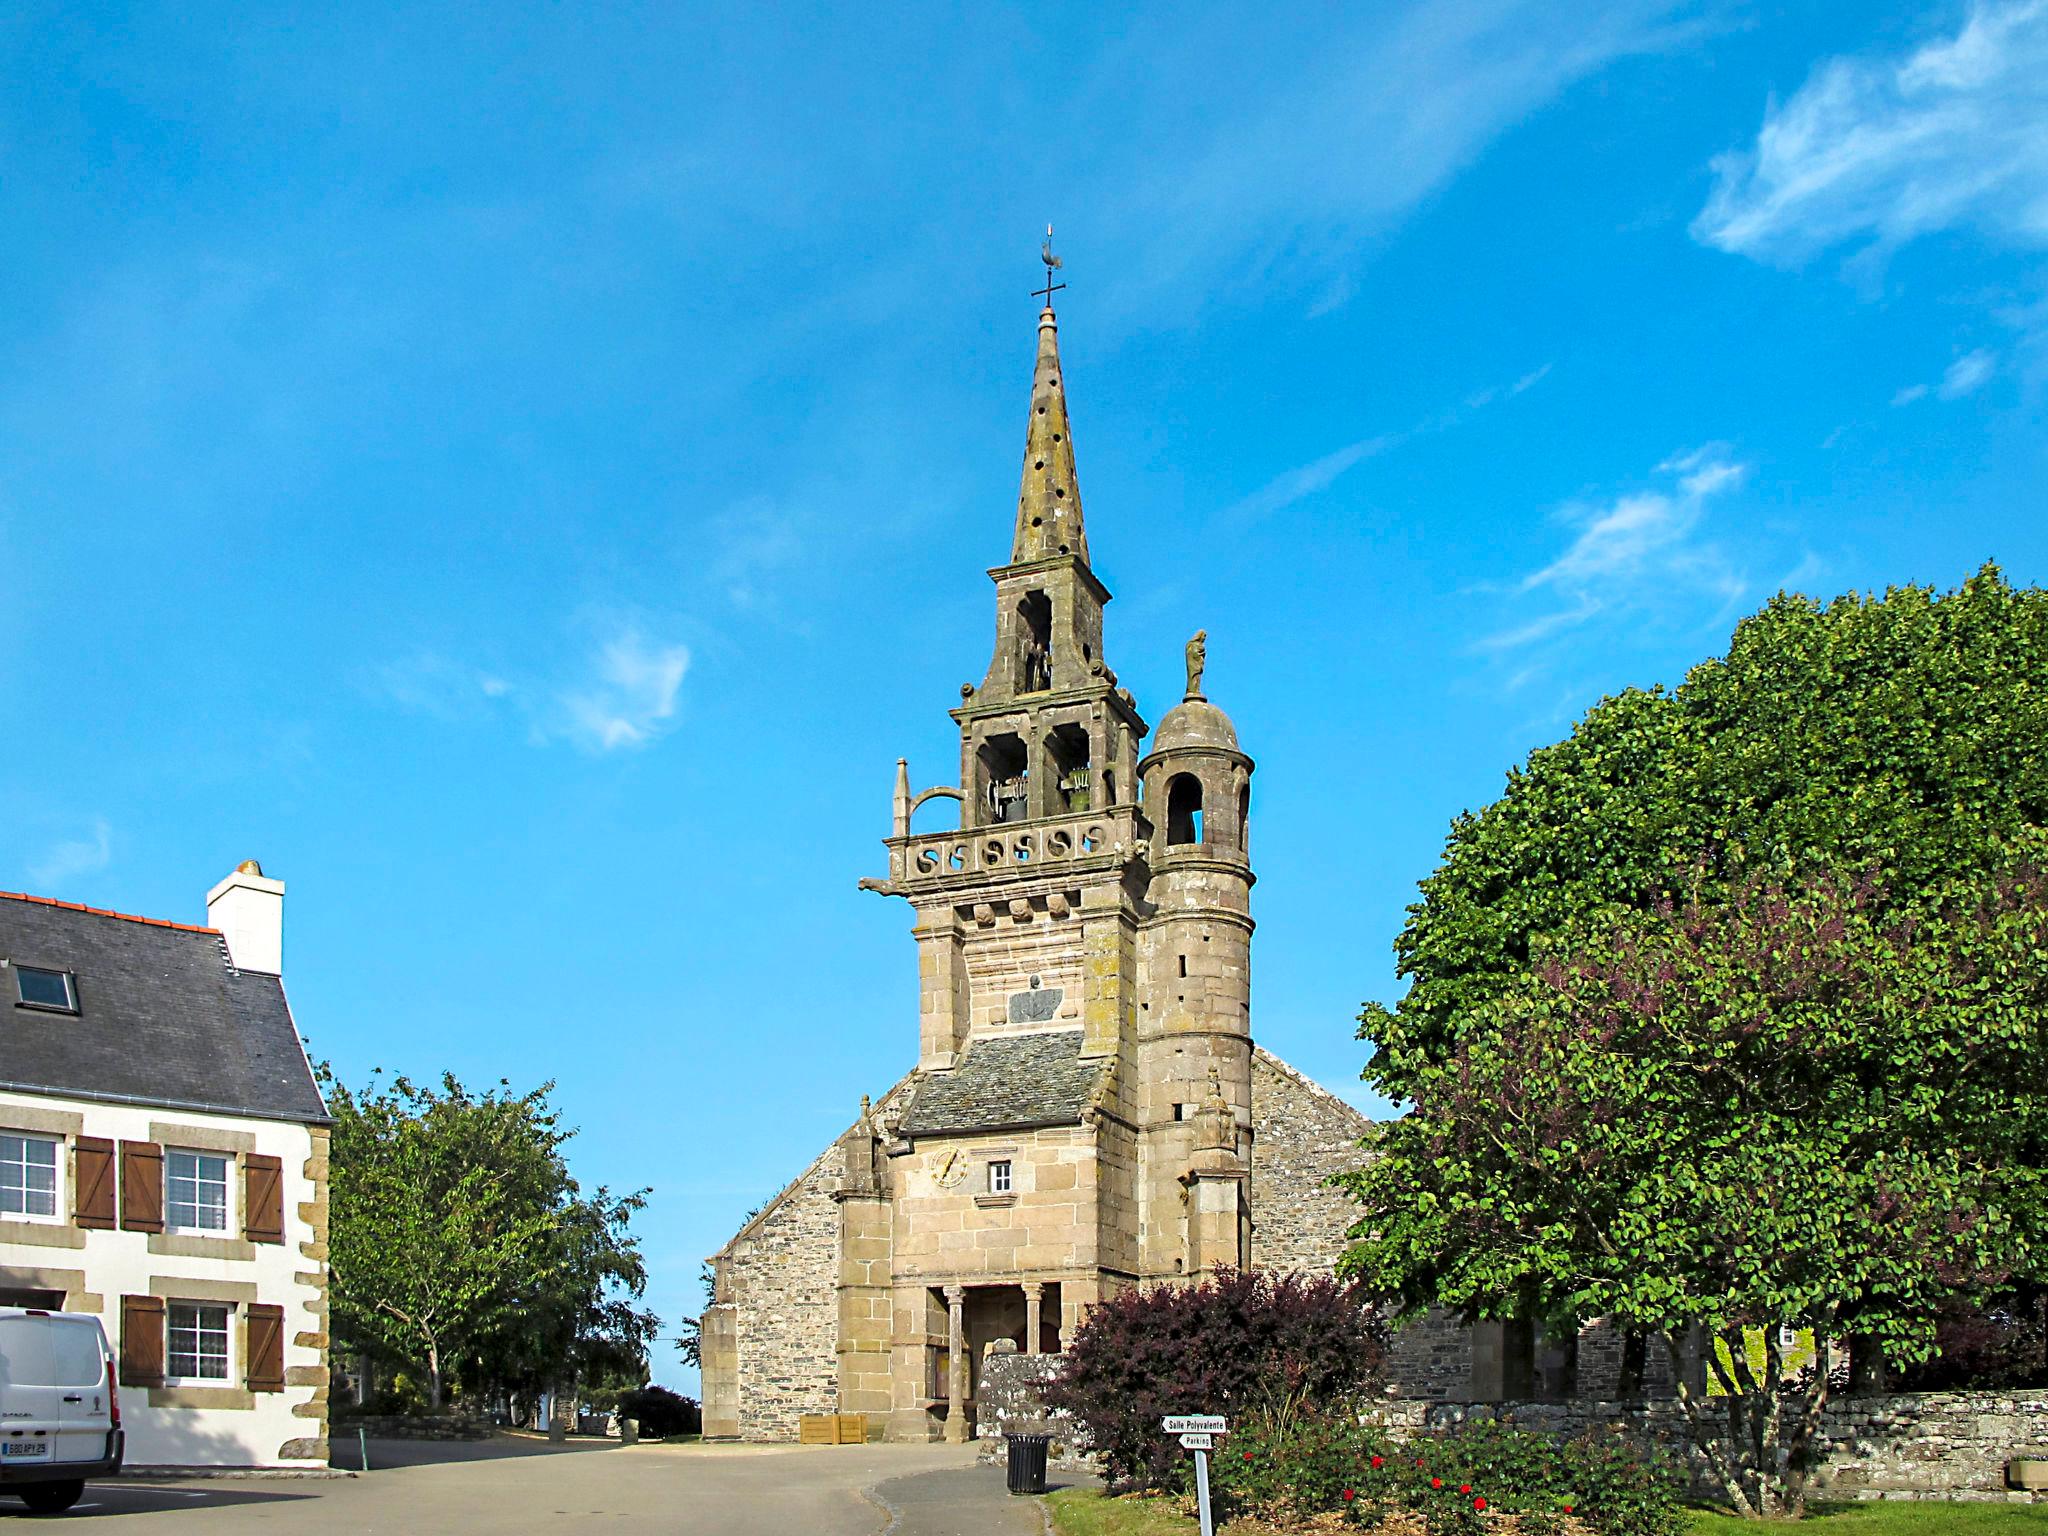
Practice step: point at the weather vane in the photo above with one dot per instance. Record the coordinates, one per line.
(1052, 265)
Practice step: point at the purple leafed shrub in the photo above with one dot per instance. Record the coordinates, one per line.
(1241, 1344)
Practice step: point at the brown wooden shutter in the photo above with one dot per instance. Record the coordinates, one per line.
(142, 1186)
(142, 1341)
(262, 1198)
(92, 1182)
(266, 1348)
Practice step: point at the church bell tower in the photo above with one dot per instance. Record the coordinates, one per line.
(1084, 1074)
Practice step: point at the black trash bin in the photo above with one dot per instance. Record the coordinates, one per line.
(1027, 1462)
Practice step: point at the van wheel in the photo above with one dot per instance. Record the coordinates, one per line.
(51, 1498)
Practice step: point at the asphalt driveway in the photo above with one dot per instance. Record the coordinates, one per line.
(513, 1487)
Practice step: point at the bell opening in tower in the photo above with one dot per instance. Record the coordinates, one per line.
(1066, 750)
(1183, 809)
(1034, 643)
(1005, 779)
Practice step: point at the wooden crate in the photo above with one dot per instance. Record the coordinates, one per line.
(832, 1429)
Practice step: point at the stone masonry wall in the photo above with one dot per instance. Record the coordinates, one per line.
(1012, 1402)
(1302, 1133)
(783, 1271)
(1938, 1445)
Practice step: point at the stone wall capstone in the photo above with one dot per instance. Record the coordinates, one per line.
(1914, 1445)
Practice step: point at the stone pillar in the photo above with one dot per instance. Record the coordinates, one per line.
(1110, 981)
(942, 988)
(1034, 1300)
(956, 1366)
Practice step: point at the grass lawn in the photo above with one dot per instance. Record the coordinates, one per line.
(1898, 1518)
(1085, 1512)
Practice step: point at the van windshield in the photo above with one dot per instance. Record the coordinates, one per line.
(49, 1352)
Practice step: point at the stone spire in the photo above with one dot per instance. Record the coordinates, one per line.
(1049, 503)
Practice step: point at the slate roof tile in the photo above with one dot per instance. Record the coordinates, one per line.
(162, 1017)
(1006, 1082)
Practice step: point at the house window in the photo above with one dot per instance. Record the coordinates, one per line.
(197, 1342)
(37, 987)
(999, 1178)
(196, 1191)
(28, 1175)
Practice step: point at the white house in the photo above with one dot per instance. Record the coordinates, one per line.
(163, 1163)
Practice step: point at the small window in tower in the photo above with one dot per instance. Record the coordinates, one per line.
(1183, 965)
(1180, 1111)
(1183, 809)
(999, 1177)
(39, 987)
(1034, 640)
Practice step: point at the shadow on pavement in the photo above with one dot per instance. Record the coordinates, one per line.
(394, 1455)
(134, 1496)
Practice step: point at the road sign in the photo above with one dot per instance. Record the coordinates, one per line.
(1194, 1442)
(1194, 1424)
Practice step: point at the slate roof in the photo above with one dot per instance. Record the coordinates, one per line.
(1006, 1082)
(162, 1017)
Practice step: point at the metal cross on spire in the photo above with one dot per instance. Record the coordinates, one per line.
(1052, 265)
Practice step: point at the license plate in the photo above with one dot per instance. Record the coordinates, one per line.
(24, 1450)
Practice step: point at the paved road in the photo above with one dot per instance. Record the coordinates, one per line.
(514, 1487)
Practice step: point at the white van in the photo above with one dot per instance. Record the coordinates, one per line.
(60, 1412)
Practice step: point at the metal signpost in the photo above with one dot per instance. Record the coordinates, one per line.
(1198, 1432)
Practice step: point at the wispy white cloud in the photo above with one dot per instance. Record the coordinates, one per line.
(429, 683)
(73, 857)
(1376, 114)
(1319, 474)
(1634, 553)
(751, 541)
(1305, 480)
(628, 699)
(1877, 151)
(620, 691)
(1965, 376)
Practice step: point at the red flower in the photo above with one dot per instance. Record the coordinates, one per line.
(1378, 1460)
(1479, 1503)
(1418, 1461)
(1349, 1495)
(1464, 1487)
(1247, 1455)
(1436, 1482)
(1567, 1509)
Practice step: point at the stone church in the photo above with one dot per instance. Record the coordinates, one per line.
(1088, 1110)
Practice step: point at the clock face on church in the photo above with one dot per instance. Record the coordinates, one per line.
(951, 1170)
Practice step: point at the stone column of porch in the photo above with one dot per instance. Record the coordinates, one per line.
(1034, 1300)
(956, 1366)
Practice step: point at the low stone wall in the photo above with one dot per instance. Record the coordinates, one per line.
(1011, 1401)
(403, 1427)
(1914, 1445)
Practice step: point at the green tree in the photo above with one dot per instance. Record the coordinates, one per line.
(1907, 732)
(1723, 1013)
(460, 1242)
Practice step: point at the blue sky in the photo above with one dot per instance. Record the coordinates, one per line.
(525, 474)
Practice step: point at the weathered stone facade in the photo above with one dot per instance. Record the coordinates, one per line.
(785, 1264)
(1087, 1111)
(1303, 1134)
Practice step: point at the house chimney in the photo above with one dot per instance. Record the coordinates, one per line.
(248, 909)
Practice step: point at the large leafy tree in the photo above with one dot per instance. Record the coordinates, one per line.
(1720, 1015)
(461, 1243)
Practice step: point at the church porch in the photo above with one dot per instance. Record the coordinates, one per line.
(1024, 1316)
